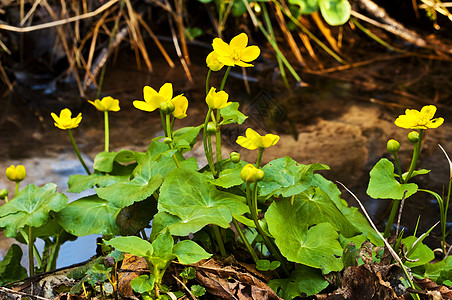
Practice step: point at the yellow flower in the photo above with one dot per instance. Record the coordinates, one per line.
(217, 100)
(154, 99)
(414, 119)
(106, 104)
(16, 174)
(236, 52)
(64, 121)
(212, 61)
(253, 140)
(251, 174)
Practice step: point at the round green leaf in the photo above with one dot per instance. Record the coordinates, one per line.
(335, 12)
(31, 206)
(383, 185)
(89, 215)
(188, 252)
(133, 245)
(191, 197)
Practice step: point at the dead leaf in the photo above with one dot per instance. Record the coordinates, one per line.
(132, 267)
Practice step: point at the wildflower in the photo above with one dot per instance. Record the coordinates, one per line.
(217, 100)
(253, 140)
(16, 174)
(106, 104)
(236, 52)
(414, 119)
(64, 121)
(251, 174)
(154, 100)
(212, 62)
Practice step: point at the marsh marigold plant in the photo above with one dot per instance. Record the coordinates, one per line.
(65, 121)
(106, 104)
(414, 119)
(253, 140)
(237, 52)
(154, 100)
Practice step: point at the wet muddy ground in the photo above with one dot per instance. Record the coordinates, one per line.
(342, 119)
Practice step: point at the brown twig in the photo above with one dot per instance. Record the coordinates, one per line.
(185, 287)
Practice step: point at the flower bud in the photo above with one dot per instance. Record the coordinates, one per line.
(235, 157)
(251, 174)
(211, 129)
(413, 137)
(167, 107)
(393, 146)
(168, 140)
(3, 194)
(16, 174)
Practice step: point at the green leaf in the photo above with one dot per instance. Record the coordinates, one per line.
(80, 183)
(228, 178)
(335, 12)
(306, 6)
(383, 185)
(188, 195)
(317, 247)
(143, 283)
(231, 114)
(163, 244)
(197, 290)
(31, 206)
(440, 271)
(10, 268)
(188, 252)
(161, 221)
(285, 177)
(188, 273)
(104, 161)
(304, 281)
(185, 138)
(421, 255)
(89, 215)
(133, 245)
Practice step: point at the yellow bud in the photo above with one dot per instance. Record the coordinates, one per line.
(251, 174)
(235, 157)
(413, 137)
(393, 146)
(167, 107)
(16, 174)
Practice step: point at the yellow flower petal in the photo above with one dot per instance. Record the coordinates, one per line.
(148, 93)
(217, 100)
(239, 41)
(64, 121)
(166, 91)
(142, 105)
(180, 106)
(221, 48)
(246, 143)
(250, 53)
(213, 63)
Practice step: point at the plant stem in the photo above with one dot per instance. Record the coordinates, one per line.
(169, 134)
(245, 240)
(207, 81)
(78, 152)
(218, 136)
(417, 150)
(226, 74)
(270, 246)
(219, 239)
(107, 131)
(259, 157)
(16, 189)
(35, 250)
(399, 169)
(395, 207)
(51, 264)
(31, 261)
(207, 144)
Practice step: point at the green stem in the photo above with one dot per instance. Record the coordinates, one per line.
(207, 144)
(254, 214)
(51, 264)
(259, 157)
(78, 152)
(31, 261)
(16, 189)
(218, 136)
(245, 240)
(219, 239)
(444, 218)
(394, 209)
(35, 250)
(107, 131)
(162, 119)
(399, 169)
(415, 158)
(207, 81)
(226, 74)
(169, 134)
